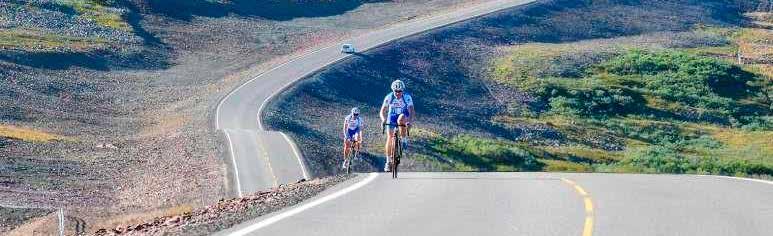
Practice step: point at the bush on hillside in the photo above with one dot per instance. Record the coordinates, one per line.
(486, 154)
(669, 159)
(699, 82)
(694, 88)
(588, 101)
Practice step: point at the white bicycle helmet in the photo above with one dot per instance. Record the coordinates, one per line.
(355, 110)
(398, 85)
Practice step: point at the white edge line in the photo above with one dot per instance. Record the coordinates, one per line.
(284, 87)
(304, 207)
(233, 158)
(297, 155)
(740, 178)
(217, 112)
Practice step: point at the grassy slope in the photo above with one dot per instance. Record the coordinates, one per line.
(474, 116)
(658, 125)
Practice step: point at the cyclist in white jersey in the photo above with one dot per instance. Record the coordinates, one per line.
(397, 108)
(353, 126)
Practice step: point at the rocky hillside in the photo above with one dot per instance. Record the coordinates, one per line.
(105, 105)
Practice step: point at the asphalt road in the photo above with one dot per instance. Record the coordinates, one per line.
(528, 204)
(263, 159)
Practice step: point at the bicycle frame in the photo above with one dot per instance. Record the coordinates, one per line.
(397, 149)
(354, 151)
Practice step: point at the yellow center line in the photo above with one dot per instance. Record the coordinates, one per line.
(588, 206)
(588, 227)
(268, 160)
(588, 231)
(580, 190)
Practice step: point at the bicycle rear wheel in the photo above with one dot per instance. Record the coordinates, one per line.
(349, 165)
(398, 153)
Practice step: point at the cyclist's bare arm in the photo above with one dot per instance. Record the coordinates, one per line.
(362, 132)
(382, 114)
(413, 114)
(346, 127)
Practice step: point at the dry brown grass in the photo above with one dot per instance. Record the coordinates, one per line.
(44, 225)
(33, 40)
(755, 43)
(165, 125)
(761, 18)
(738, 143)
(27, 134)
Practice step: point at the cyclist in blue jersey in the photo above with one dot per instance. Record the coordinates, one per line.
(397, 108)
(353, 126)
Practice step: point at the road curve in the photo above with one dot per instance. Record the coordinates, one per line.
(262, 159)
(528, 204)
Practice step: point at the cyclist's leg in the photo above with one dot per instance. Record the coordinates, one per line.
(388, 150)
(348, 143)
(347, 147)
(402, 120)
(358, 138)
(389, 146)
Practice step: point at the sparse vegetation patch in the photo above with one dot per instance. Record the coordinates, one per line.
(100, 11)
(26, 134)
(32, 40)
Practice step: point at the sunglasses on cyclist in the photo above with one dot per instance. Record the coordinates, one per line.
(398, 91)
(356, 114)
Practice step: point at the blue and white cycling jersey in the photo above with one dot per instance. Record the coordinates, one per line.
(398, 106)
(353, 126)
(353, 123)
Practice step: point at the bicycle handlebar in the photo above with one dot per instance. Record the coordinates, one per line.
(384, 125)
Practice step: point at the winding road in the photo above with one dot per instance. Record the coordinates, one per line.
(263, 159)
(470, 203)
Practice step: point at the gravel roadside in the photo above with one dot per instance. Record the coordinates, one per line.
(229, 212)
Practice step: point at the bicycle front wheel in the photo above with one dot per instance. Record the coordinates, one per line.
(397, 155)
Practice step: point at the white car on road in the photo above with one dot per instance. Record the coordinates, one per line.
(347, 48)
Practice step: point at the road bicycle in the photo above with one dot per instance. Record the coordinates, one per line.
(397, 152)
(354, 153)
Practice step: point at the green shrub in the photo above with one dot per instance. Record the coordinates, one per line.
(650, 132)
(658, 159)
(705, 86)
(588, 101)
(703, 142)
(668, 159)
(486, 154)
(705, 83)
